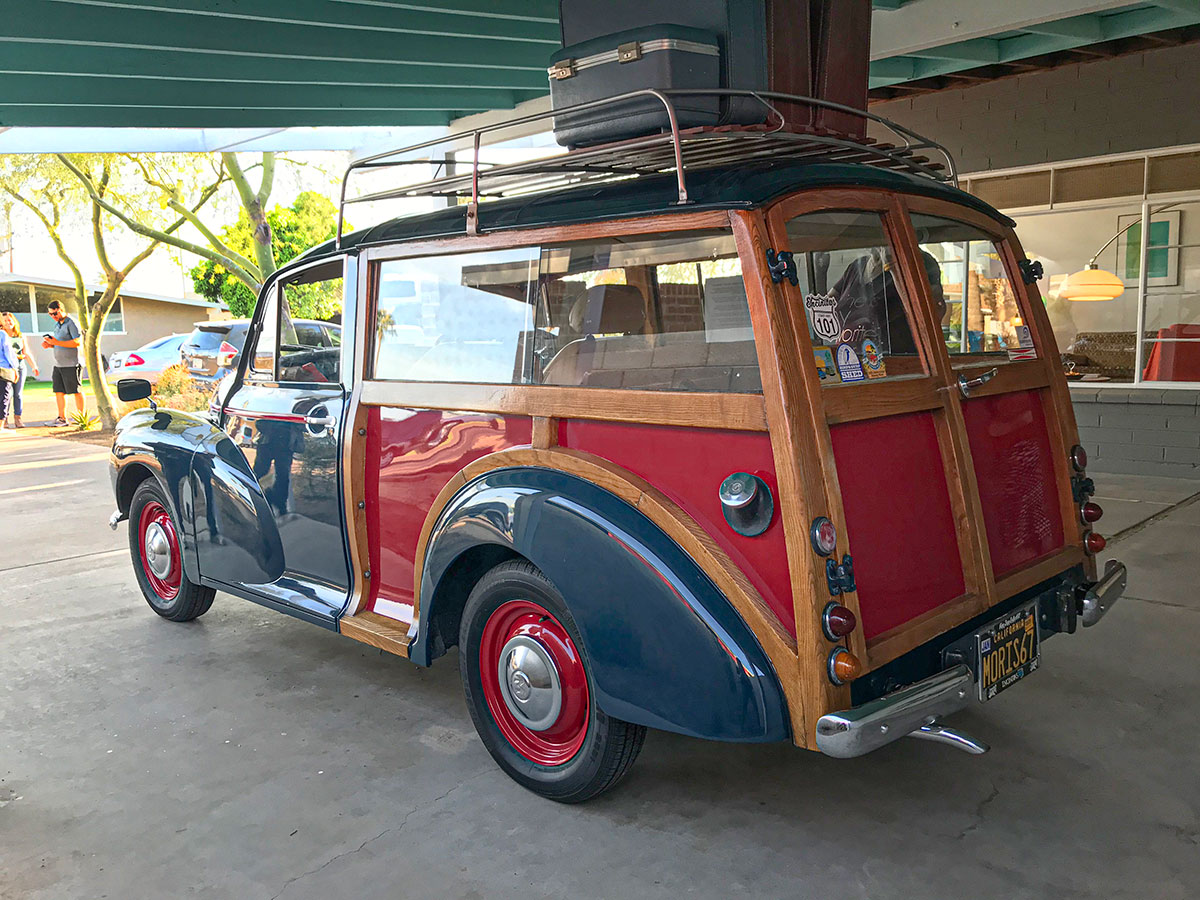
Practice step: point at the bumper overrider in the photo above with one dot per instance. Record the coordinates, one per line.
(915, 709)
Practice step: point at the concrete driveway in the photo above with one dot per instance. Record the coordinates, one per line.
(248, 755)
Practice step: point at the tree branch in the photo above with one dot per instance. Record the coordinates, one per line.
(268, 178)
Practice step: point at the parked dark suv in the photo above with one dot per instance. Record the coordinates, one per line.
(214, 349)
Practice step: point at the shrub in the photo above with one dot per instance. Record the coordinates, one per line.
(83, 420)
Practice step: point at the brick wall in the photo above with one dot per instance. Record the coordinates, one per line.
(1138, 102)
(1141, 432)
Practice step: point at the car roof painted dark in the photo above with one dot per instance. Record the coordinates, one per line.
(742, 187)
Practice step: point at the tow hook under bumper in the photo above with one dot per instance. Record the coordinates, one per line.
(1097, 599)
(912, 710)
(116, 518)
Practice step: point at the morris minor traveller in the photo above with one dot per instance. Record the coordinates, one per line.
(745, 433)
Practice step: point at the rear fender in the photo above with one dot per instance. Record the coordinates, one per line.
(666, 648)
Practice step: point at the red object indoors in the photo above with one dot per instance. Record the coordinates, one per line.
(1015, 470)
(1175, 356)
(688, 465)
(898, 518)
(561, 741)
(413, 454)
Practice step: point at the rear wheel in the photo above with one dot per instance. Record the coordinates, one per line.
(530, 691)
(158, 558)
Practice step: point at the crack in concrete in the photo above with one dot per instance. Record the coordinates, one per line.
(1145, 523)
(395, 828)
(979, 811)
(1166, 603)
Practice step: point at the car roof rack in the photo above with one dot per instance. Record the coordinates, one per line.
(673, 151)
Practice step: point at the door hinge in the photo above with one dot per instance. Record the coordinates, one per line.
(840, 575)
(782, 265)
(1031, 270)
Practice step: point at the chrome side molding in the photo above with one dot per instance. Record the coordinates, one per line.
(1101, 596)
(853, 732)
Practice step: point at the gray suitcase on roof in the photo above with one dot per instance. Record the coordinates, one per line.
(662, 57)
(740, 27)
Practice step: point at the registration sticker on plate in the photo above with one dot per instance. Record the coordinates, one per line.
(1007, 651)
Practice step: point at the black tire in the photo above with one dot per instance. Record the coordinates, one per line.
(173, 596)
(606, 747)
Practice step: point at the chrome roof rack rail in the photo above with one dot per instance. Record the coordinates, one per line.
(673, 151)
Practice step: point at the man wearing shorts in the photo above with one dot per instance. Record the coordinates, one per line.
(67, 371)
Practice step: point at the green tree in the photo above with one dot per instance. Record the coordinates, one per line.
(311, 219)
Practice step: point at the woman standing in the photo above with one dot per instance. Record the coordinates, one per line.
(25, 361)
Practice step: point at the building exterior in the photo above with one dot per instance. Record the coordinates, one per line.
(1080, 156)
(137, 318)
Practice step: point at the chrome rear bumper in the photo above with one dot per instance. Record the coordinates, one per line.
(915, 709)
(853, 732)
(1100, 597)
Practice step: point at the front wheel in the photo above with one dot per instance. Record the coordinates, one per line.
(530, 692)
(158, 560)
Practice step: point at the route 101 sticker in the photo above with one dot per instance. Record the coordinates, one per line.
(822, 312)
(848, 364)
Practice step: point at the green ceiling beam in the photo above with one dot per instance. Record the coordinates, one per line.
(373, 17)
(1084, 28)
(539, 10)
(186, 117)
(36, 90)
(109, 62)
(978, 51)
(90, 26)
(1112, 26)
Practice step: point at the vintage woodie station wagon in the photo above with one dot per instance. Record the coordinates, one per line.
(699, 431)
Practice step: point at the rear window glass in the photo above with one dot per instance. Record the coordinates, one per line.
(209, 339)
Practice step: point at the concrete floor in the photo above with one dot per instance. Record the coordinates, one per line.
(248, 755)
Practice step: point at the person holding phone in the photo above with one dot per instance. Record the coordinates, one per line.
(64, 340)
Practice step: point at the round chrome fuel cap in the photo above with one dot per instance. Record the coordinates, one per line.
(529, 683)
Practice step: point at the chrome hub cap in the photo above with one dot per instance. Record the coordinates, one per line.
(529, 683)
(158, 550)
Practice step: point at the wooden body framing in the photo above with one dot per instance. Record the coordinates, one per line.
(793, 408)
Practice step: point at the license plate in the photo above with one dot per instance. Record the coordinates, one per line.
(1007, 651)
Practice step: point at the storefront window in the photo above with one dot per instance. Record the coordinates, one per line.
(1098, 338)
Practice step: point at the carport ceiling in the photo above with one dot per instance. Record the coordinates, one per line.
(268, 64)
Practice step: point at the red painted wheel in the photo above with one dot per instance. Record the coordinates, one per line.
(534, 682)
(154, 547)
(159, 544)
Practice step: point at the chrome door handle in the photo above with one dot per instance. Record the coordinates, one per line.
(316, 421)
(967, 386)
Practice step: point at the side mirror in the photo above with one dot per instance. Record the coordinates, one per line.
(130, 389)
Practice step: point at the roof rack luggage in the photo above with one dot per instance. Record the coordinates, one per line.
(675, 151)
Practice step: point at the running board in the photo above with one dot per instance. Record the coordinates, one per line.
(378, 631)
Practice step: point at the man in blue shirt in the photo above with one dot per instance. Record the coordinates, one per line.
(64, 339)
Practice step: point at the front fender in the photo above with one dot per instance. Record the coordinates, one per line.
(208, 482)
(666, 648)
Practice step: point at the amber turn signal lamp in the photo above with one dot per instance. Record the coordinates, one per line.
(1094, 543)
(837, 621)
(844, 666)
(1091, 512)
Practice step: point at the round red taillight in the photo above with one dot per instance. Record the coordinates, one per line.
(1078, 458)
(823, 535)
(844, 666)
(1094, 543)
(1090, 512)
(837, 621)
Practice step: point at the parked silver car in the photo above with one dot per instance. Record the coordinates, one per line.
(147, 361)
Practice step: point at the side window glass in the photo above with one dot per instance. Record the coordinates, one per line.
(856, 316)
(262, 364)
(977, 306)
(646, 312)
(313, 302)
(466, 317)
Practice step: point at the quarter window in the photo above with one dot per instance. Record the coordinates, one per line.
(313, 304)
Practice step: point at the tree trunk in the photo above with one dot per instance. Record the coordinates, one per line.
(91, 354)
